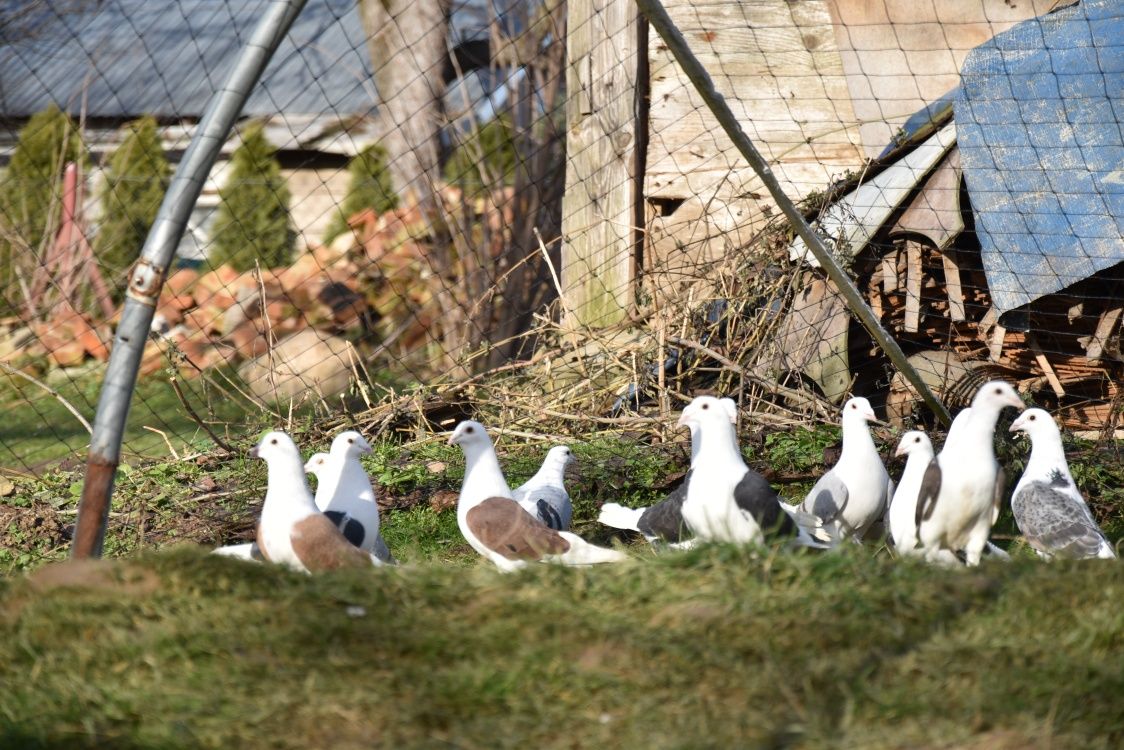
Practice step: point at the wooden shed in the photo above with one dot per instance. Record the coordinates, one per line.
(653, 186)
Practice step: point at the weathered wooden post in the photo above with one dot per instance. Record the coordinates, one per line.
(600, 210)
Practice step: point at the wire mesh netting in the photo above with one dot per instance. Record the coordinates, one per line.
(524, 210)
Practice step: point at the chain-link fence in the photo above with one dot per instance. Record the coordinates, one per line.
(528, 205)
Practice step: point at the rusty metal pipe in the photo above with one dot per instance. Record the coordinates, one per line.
(147, 277)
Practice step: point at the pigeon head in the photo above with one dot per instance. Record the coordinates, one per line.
(315, 464)
(1036, 423)
(914, 440)
(350, 443)
(469, 434)
(561, 455)
(996, 394)
(708, 409)
(275, 445)
(859, 409)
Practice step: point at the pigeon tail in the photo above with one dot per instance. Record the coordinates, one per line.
(582, 552)
(246, 551)
(620, 517)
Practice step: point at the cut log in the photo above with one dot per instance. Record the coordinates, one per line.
(951, 261)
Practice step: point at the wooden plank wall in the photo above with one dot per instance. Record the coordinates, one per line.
(599, 222)
(778, 66)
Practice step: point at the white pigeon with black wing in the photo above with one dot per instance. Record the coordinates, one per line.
(962, 488)
(544, 495)
(727, 501)
(853, 496)
(498, 527)
(344, 493)
(1048, 507)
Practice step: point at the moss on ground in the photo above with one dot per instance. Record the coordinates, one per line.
(719, 647)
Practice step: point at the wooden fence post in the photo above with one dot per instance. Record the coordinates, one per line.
(600, 227)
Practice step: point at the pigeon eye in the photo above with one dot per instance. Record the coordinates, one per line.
(1031, 417)
(273, 441)
(706, 406)
(351, 441)
(998, 391)
(468, 430)
(917, 440)
(854, 406)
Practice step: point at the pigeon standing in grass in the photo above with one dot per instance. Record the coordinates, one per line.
(918, 450)
(292, 530)
(498, 527)
(1048, 508)
(662, 522)
(544, 495)
(961, 490)
(345, 495)
(852, 497)
(726, 500)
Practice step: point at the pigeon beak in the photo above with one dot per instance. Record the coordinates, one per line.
(901, 451)
(254, 452)
(452, 439)
(684, 420)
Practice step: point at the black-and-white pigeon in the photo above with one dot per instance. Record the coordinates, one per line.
(292, 530)
(344, 493)
(544, 495)
(1048, 507)
(663, 521)
(498, 527)
(726, 500)
(852, 497)
(962, 488)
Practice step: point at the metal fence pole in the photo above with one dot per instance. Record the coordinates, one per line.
(147, 277)
(654, 11)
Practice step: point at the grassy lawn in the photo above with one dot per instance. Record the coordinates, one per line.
(164, 646)
(715, 648)
(38, 429)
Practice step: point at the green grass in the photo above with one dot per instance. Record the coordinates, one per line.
(38, 429)
(714, 648)
(718, 647)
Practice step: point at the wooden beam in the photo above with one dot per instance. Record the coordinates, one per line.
(890, 280)
(599, 222)
(912, 286)
(1047, 369)
(998, 334)
(1105, 324)
(951, 261)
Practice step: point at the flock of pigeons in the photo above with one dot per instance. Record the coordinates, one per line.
(942, 509)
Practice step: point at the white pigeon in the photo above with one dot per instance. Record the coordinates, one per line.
(852, 497)
(962, 488)
(726, 501)
(544, 495)
(918, 449)
(1048, 507)
(344, 493)
(498, 527)
(292, 530)
(663, 521)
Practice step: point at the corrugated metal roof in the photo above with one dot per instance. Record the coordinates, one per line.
(166, 57)
(1039, 118)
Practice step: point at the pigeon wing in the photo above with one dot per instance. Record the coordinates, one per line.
(1055, 523)
(320, 545)
(664, 520)
(929, 491)
(502, 525)
(827, 499)
(754, 495)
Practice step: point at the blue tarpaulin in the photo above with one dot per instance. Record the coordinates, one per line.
(1040, 123)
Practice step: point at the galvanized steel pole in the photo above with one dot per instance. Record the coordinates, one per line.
(654, 11)
(147, 277)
